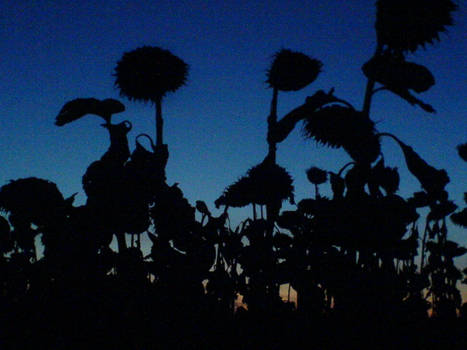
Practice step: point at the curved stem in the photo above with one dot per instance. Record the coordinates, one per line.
(395, 138)
(382, 88)
(344, 167)
(344, 102)
(148, 137)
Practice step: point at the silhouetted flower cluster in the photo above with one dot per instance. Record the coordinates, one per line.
(362, 271)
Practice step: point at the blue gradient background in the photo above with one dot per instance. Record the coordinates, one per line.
(55, 51)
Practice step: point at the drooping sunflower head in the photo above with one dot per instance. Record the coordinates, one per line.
(337, 126)
(148, 73)
(407, 24)
(292, 71)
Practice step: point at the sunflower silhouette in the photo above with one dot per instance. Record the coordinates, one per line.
(148, 74)
(404, 25)
(289, 71)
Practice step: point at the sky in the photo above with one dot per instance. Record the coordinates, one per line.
(215, 126)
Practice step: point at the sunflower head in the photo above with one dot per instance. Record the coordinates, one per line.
(148, 73)
(337, 126)
(264, 183)
(404, 25)
(292, 71)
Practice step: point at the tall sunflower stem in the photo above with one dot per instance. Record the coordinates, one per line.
(272, 121)
(159, 122)
(370, 87)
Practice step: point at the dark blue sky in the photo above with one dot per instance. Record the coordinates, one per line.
(55, 51)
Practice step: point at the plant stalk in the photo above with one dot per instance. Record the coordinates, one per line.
(159, 122)
(369, 87)
(272, 121)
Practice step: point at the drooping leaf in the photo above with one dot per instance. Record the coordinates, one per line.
(279, 131)
(80, 107)
(431, 179)
(400, 76)
(396, 73)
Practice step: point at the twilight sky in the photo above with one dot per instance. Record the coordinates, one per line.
(215, 126)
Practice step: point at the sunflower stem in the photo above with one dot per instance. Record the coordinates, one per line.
(159, 122)
(369, 87)
(423, 253)
(121, 242)
(272, 121)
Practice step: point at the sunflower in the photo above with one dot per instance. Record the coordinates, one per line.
(263, 184)
(148, 74)
(404, 25)
(292, 71)
(289, 71)
(337, 126)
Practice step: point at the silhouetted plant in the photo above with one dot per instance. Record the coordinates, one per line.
(289, 71)
(263, 184)
(352, 254)
(407, 25)
(148, 74)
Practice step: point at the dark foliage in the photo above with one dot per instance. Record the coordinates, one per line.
(352, 258)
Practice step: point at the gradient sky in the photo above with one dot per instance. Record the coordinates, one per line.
(215, 126)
